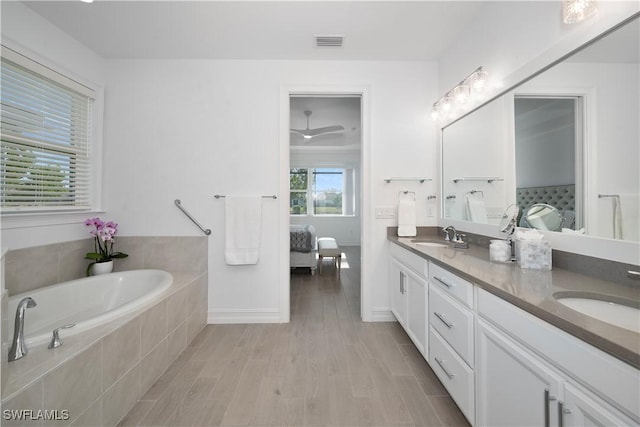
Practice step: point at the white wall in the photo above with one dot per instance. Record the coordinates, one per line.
(478, 147)
(513, 39)
(31, 35)
(192, 129)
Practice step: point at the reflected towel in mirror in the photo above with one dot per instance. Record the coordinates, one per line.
(476, 210)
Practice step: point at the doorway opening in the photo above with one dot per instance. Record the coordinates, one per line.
(325, 199)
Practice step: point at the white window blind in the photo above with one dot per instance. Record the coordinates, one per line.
(46, 124)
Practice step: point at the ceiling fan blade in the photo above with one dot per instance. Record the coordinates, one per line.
(302, 132)
(327, 129)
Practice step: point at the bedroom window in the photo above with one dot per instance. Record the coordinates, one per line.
(46, 134)
(321, 191)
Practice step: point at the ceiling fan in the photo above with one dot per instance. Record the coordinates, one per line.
(310, 133)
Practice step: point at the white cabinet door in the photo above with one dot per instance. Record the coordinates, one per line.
(397, 280)
(416, 295)
(581, 408)
(513, 387)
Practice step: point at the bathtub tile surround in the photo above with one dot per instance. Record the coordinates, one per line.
(121, 351)
(35, 267)
(32, 268)
(153, 327)
(75, 385)
(4, 331)
(113, 365)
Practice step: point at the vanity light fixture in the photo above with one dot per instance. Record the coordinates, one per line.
(574, 11)
(460, 95)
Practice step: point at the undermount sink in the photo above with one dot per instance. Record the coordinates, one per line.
(429, 243)
(615, 311)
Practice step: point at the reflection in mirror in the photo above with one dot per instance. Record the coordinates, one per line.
(547, 137)
(542, 217)
(509, 219)
(562, 139)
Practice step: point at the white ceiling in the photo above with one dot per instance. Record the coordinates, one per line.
(373, 30)
(327, 111)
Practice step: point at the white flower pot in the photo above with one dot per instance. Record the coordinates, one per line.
(101, 268)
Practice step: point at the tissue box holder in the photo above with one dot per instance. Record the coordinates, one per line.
(535, 255)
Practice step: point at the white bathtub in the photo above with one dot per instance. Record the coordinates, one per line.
(87, 302)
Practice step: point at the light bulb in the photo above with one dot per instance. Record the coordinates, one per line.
(461, 94)
(435, 113)
(447, 103)
(574, 11)
(480, 78)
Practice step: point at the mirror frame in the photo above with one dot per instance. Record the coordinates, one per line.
(616, 250)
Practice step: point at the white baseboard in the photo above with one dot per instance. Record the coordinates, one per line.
(243, 316)
(382, 314)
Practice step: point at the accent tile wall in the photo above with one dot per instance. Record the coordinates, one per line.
(32, 268)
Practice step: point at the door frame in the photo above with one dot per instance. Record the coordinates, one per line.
(366, 221)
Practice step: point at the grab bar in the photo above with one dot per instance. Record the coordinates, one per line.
(204, 230)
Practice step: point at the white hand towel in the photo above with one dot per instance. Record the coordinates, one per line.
(617, 218)
(477, 210)
(630, 216)
(407, 218)
(243, 216)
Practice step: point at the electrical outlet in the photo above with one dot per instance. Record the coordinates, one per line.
(385, 212)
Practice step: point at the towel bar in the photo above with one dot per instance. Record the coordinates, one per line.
(204, 230)
(474, 192)
(489, 179)
(406, 192)
(419, 179)
(217, 196)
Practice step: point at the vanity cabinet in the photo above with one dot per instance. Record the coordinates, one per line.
(501, 365)
(451, 336)
(408, 286)
(531, 373)
(513, 386)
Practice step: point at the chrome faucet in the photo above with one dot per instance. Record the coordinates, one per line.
(450, 233)
(18, 347)
(457, 238)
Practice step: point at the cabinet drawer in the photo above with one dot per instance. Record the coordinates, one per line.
(454, 374)
(452, 284)
(411, 260)
(453, 321)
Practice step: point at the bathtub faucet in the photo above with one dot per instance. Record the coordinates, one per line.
(18, 346)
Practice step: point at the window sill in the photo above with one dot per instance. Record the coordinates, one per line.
(43, 219)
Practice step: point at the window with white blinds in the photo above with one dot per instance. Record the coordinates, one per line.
(46, 131)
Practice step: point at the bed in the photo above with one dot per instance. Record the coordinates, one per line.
(562, 197)
(303, 247)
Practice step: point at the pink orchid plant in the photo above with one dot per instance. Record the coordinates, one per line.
(103, 237)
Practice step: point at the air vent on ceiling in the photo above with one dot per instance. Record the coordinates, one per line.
(328, 41)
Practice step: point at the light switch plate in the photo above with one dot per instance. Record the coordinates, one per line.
(385, 212)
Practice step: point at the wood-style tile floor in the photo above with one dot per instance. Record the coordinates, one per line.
(324, 368)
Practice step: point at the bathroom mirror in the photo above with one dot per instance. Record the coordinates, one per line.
(542, 217)
(566, 138)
